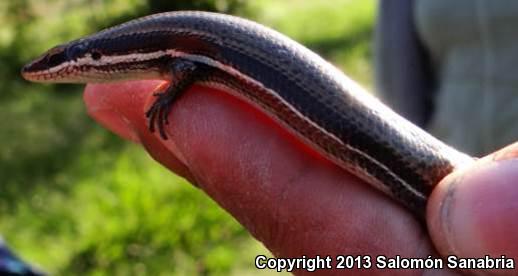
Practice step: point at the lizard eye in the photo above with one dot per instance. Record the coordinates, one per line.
(96, 55)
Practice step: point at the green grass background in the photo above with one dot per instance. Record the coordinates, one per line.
(76, 200)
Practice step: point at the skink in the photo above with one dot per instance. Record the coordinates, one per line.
(297, 88)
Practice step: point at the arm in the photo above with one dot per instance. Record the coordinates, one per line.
(403, 72)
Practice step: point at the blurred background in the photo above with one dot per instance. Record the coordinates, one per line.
(75, 199)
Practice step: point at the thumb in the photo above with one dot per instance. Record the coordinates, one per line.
(474, 212)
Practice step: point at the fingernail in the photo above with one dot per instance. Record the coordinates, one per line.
(479, 212)
(117, 123)
(509, 152)
(100, 108)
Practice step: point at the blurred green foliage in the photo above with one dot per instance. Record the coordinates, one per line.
(75, 200)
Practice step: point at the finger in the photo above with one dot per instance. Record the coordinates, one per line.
(473, 213)
(288, 196)
(104, 106)
(120, 108)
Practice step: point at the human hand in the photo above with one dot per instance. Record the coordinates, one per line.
(296, 202)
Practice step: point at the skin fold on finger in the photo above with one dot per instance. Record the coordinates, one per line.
(474, 212)
(289, 197)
